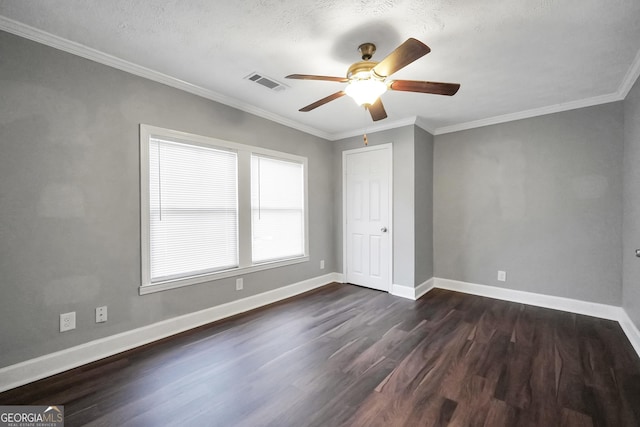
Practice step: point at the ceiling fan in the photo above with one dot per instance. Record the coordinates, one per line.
(367, 80)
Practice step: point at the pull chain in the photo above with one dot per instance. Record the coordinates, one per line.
(364, 137)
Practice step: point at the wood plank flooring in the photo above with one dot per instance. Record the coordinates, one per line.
(345, 355)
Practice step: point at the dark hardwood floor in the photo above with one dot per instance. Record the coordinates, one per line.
(344, 355)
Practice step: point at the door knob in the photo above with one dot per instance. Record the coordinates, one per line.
(384, 230)
(638, 253)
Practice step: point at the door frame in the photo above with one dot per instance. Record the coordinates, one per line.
(388, 147)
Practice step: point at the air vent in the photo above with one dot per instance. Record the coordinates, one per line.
(267, 82)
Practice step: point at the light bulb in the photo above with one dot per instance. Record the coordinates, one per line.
(365, 91)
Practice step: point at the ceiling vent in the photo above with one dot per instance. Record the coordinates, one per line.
(267, 82)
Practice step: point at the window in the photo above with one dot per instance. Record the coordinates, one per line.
(193, 210)
(214, 209)
(277, 208)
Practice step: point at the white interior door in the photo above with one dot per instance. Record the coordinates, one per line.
(367, 215)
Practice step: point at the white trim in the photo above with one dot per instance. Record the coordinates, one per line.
(389, 147)
(403, 291)
(244, 153)
(147, 131)
(630, 330)
(620, 94)
(425, 287)
(411, 292)
(603, 311)
(40, 36)
(44, 366)
(378, 127)
(535, 112)
(422, 124)
(625, 86)
(194, 280)
(630, 78)
(83, 51)
(145, 221)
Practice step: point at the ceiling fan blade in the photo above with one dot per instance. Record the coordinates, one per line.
(377, 110)
(425, 87)
(323, 101)
(312, 77)
(404, 55)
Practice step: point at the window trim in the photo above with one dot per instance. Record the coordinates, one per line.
(244, 153)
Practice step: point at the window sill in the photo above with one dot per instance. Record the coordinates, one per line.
(194, 280)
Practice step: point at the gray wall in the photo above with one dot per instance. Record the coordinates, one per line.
(69, 197)
(403, 197)
(631, 230)
(540, 198)
(424, 205)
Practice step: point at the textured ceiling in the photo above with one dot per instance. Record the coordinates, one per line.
(513, 58)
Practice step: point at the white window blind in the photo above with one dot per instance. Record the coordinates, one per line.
(277, 209)
(193, 210)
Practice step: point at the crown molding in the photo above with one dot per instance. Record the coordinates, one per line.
(422, 123)
(535, 112)
(627, 83)
(375, 128)
(630, 78)
(632, 75)
(83, 51)
(86, 52)
(415, 120)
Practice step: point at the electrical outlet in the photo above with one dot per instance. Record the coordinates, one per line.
(239, 284)
(321, 264)
(67, 321)
(101, 314)
(502, 276)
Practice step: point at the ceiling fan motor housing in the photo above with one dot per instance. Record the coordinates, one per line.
(361, 70)
(367, 50)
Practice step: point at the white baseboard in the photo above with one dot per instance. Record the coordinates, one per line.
(54, 363)
(403, 291)
(630, 330)
(594, 309)
(425, 287)
(410, 292)
(44, 366)
(603, 311)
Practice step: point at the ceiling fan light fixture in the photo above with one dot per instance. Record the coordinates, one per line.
(365, 92)
(368, 80)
